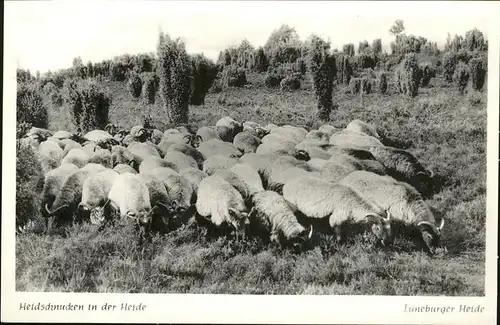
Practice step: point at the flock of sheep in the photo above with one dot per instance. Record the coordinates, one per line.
(281, 183)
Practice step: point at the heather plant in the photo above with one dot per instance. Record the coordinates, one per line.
(204, 73)
(461, 77)
(30, 107)
(408, 75)
(382, 83)
(428, 72)
(174, 71)
(477, 70)
(117, 71)
(323, 69)
(232, 76)
(290, 83)
(135, 85)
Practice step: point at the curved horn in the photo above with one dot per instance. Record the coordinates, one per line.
(60, 208)
(109, 126)
(309, 236)
(431, 173)
(47, 209)
(389, 216)
(441, 224)
(169, 209)
(189, 137)
(428, 224)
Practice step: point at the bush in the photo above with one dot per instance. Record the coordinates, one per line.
(348, 49)
(30, 107)
(366, 61)
(344, 69)
(233, 76)
(117, 71)
(29, 183)
(174, 71)
(408, 75)
(323, 69)
(382, 83)
(273, 78)
(260, 64)
(358, 85)
(150, 84)
(301, 66)
(283, 46)
(461, 77)
(89, 104)
(363, 47)
(474, 40)
(290, 83)
(377, 46)
(477, 70)
(204, 73)
(427, 72)
(135, 85)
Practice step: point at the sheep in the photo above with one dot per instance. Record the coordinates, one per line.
(271, 147)
(317, 164)
(319, 199)
(49, 155)
(403, 202)
(89, 147)
(194, 176)
(274, 217)
(316, 152)
(122, 168)
(69, 144)
(207, 133)
(362, 127)
(178, 187)
(350, 139)
(216, 163)
(101, 156)
(281, 177)
(403, 166)
(328, 129)
(189, 151)
(227, 128)
(255, 129)
(60, 135)
(140, 151)
(270, 127)
(281, 164)
(121, 155)
(171, 138)
(290, 132)
(40, 134)
(334, 172)
(317, 135)
(111, 129)
(246, 142)
(97, 135)
(66, 202)
(219, 202)
(152, 162)
(95, 192)
(163, 207)
(217, 147)
(180, 161)
(290, 142)
(54, 180)
(249, 176)
(76, 156)
(260, 163)
(130, 196)
(156, 136)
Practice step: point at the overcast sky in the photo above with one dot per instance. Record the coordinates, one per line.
(49, 34)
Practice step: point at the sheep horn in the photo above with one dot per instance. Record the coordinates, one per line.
(47, 209)
(389, 216)
(109, 126)
(431, 173)
(428, 224)
(58, 209)
(188, 136)
(441, 224)
(309, 236)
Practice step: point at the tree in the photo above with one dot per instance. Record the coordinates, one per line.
(397, 28)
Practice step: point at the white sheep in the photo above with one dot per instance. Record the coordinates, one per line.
(217, 147)
(217, 163)
(180, 160)
(95, 194)
(152, 162)
(246, 142)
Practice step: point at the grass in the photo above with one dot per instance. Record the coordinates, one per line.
(443, 129)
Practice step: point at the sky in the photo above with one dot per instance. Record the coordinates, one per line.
(49, 34)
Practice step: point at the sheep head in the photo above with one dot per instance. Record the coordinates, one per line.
(430, 235)
(381, 227)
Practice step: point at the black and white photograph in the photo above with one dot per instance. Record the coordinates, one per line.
(272, 149)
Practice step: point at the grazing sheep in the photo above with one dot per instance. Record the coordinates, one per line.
(54, 180)
(216, 147)
(319, 199)
(194, 176)
(62, 134)
(272, 216)
(260, 163)
(290, 173)
(293, 133)
(227, 128)
(111, 129)
(130, 196)
(272, 137)
(101, 156)
(152, 162)
(39, 133)
(403, 166)
(255, 128)
(362, 127)
(189, 151)
(334, 172)
(121, 155)
(94, 195)
(207, 133)
(220, 201)
(156, 136)
(69, 144)
(317, 164)
(281, 164)
(328, 129)
(319, 136)
(180, 161)
(89, 147)
(373, 166)
(270, 126)
(216, 163)
(316, 152)
(70, 195)
(403, 202)
(350, 139)
(171, 138)
(97, 135)
(49, 154)
(246, 142)
(271, 147)
(141, 151)
(249, 176)
(122, 168)
(76, 156)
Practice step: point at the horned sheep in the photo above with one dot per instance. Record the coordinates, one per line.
(180, 161)
(76, 156)
(217, 163)
(246, 142)
(95, 192)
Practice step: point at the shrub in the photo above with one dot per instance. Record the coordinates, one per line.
(382, 83)
(174, 71)
(377, 46)
(283, 46)
(323, 69)
(89, 104)
(461, 77)
(477, 71)
(366, 61)
(427, 72)
(301, 66)
(358, 85)
(344, 69)
(29, 180)
(474, 40)
(260, 64)
(290, 83)
(150, 84)
(273, 78)
(233, 76)
(117, 71)
(204, 73)
(245, 55)
(408, 75)
(135, 85)
(30, 107)
(363, 47)
(348, 49)
(24, 76)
